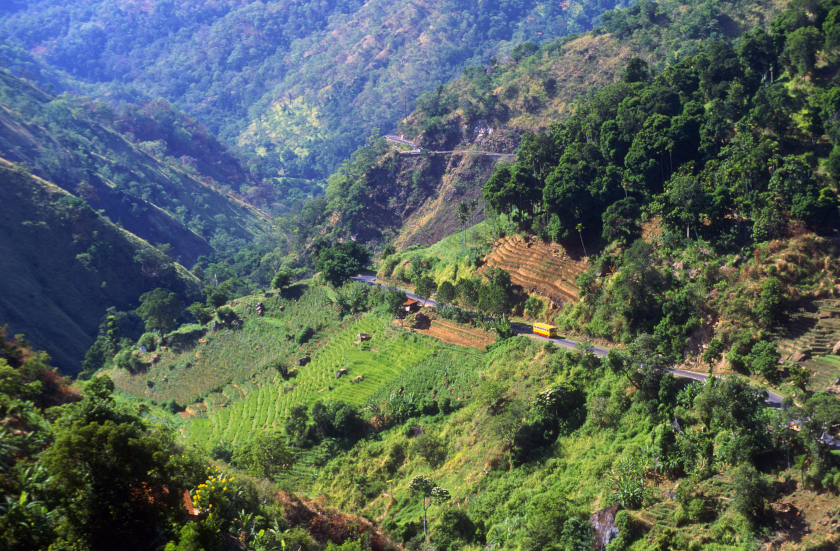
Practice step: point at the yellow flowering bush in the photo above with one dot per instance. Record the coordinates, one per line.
(213, 494)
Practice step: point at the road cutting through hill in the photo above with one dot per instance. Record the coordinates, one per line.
(773, 399)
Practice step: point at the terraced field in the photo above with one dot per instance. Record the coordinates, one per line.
(544, 269)
(812, 331)
(389, 353)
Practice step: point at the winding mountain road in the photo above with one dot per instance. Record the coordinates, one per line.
(417, 151)
(773, 399)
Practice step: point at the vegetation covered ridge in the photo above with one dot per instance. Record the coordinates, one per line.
(53, 241)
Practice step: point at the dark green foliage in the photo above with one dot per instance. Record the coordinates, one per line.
(621, 221)
(425, 287)
(337, 420)
(636, 71)
(430, 447)
(342, 261)
(101, 455)
(752, 492)
(296, 425)
(764, 359)
(446, 293)
(218, 296)
(453, 529)
(713, 352)
(282, 279)
(202, 314)
(159, 309)
(521, 51)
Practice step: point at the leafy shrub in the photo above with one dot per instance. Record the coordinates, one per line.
(130, 361)
(430, 447)
(201, 313)
(752, 492)
(225, 314)
(149, 340)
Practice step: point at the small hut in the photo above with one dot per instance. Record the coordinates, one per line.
(411, 305)
(364, 337)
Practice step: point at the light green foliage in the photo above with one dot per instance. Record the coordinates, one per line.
(149, 340)
(429, 492)
(627, 482)
(269, 406)
(534, 306)
(265, 454)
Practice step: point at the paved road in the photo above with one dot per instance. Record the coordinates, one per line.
(773, 399)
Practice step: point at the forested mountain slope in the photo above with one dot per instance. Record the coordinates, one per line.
(490, 107)
(64, 265)
(73, 143)
(300, 82)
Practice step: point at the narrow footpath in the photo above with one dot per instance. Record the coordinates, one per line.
(773, 399)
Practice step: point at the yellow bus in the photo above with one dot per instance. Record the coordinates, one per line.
(545, 330)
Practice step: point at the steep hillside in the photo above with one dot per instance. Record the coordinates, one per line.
(71, 142)
(64, 265)
(492, 106)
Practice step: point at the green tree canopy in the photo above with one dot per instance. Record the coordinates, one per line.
(159, 309)
(342, 261)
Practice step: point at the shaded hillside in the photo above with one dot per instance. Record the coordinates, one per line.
(64, 265)
(67, 140)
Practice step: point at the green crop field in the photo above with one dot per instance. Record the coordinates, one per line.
(389, 353)
(223, 367)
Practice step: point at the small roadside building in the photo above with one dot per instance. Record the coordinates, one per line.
(411, 305)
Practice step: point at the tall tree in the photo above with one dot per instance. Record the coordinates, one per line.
(159, 309)
(430, 493)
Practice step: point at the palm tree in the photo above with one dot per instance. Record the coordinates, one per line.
(580, 232)
(463, 213)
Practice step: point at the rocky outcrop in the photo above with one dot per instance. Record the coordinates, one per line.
(603, 525)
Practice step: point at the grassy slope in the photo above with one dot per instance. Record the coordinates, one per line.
(45, 292)
(390, 353)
